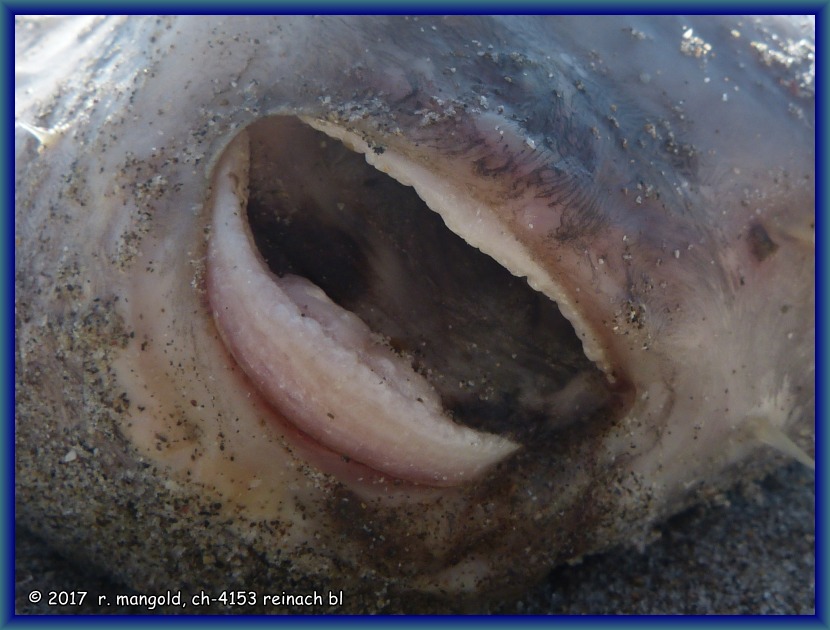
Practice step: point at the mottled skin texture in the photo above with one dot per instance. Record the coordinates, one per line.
(677, 223)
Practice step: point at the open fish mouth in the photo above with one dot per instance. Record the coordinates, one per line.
(374, 328)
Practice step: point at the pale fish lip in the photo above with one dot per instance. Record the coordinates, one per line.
(321, 366)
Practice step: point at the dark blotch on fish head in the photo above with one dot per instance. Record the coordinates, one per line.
(760, 243)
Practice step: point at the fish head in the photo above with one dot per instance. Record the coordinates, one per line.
(427, 303)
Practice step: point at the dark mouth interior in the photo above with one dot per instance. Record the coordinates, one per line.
(501, 355)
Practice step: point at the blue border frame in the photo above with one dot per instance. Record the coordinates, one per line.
(822, 381)
(597, 7)
(7, 12)
(6, 339)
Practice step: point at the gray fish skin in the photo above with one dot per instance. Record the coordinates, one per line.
(658, 172)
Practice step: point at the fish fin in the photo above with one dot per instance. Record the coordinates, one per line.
(773, 436)
(44, 136)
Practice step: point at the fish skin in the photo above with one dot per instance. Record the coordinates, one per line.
(111, 157)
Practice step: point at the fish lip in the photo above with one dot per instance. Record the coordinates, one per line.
(365, 481)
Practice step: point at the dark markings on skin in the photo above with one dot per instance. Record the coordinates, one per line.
(502, 356)
(760, 243)
(682, 155)
(482, 168)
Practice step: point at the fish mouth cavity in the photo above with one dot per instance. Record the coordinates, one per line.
(374, 328)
